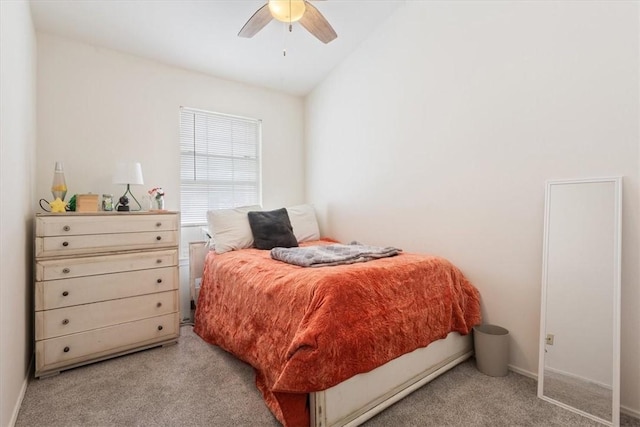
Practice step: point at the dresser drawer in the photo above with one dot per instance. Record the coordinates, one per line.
(73, 349)
(82, 290)
(79, 318)
(107, 223)
(54, 269)
(92, 243)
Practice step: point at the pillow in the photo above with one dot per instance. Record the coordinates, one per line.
(229, 228)
(272, 229)
(304, 223)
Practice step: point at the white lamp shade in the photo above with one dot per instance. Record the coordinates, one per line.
(128, 173)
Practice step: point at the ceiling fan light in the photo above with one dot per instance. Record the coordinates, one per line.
(287, 10)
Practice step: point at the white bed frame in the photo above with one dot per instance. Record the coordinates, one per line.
(361, 397)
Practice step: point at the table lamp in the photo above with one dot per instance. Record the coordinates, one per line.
(128, 173)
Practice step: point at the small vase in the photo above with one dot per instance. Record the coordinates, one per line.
(160, 203)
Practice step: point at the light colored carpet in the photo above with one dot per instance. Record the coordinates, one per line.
(196, 384)
(588, 397)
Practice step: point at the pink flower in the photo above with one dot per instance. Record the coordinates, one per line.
(158, 192)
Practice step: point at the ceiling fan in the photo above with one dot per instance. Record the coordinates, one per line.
(290, 11)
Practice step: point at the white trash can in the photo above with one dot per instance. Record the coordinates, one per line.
(491, 345)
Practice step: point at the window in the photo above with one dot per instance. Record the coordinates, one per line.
(219, 163)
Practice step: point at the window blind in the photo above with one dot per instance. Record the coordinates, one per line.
(219, 163)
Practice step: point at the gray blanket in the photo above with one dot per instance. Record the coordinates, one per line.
(334, 254)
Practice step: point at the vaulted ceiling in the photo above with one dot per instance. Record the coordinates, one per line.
(202, 36)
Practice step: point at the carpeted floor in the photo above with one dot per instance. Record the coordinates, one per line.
(589, 397)
(196, 384)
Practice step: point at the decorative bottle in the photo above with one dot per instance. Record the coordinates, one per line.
(107, 202)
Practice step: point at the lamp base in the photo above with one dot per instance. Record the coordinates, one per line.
(125, 205)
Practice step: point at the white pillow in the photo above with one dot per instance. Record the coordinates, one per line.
(304, 222)
(230, 229)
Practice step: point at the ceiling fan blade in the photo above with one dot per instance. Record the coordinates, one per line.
(257, 22)
(316, 24)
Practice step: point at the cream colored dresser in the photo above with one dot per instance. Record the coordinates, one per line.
(106, 284)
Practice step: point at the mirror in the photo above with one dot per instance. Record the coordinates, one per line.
(579, 363)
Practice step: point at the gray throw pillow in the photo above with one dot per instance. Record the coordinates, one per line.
(272, 229)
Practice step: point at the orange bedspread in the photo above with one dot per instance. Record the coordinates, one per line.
(308, 329)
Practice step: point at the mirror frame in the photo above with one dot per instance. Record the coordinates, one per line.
(615, 408)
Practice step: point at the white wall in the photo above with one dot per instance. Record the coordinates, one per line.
(438, 133)
(17, 178)
(97, 106)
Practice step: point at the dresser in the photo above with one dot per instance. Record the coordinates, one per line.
(106, 284)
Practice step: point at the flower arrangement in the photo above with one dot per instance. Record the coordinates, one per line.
(158, 194)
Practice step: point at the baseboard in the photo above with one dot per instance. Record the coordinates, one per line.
(523, 372)
(23, 390)
(624, 409)
(577, 377)
(631, 412)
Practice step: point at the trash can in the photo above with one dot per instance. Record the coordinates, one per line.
(491, 345)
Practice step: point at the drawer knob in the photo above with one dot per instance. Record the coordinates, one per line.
(65, 322)
(159, 280)
(66, 228)
(65, 244)
(158, 261)
(159, 305)
(160, 327)
(66, 270)
(159, 238)
(158, 224)
(66, 349)
(65, 293)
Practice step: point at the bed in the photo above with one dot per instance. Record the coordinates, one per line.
(333, 346)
